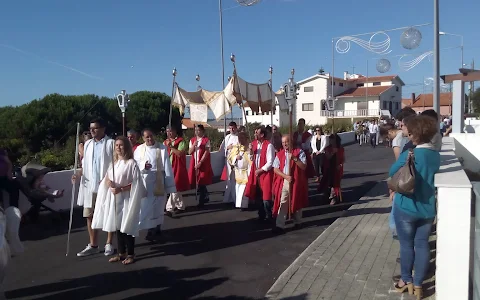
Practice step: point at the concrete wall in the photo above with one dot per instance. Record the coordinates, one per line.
(467, 150)
(61, 179)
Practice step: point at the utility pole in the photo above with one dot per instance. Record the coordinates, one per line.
(472, 90)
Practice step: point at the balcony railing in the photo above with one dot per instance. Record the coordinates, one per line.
(351, 113)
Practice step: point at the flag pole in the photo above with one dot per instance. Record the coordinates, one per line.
(75, 166)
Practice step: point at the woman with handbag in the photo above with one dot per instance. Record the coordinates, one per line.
(412, 180)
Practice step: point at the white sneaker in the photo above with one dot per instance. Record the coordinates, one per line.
(89, 250)
(109, 250)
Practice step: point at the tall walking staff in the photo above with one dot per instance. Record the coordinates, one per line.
(174, 74)
(114, 185)
(75, 166)
(290, 91)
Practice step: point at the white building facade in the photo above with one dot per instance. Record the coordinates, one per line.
(357, 96)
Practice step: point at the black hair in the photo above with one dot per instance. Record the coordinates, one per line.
(404, 113)
(200, 126)
(99, 121)
(232, 124)
(430, 113)
(301, 120)
(262, 129)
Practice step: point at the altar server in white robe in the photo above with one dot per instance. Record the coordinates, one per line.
(119, 199)
(97, 157)
(157, 174)
(230, 140)
(240, 161)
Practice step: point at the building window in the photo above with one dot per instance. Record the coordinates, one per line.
(340, 84)
(384, 104)
(308, 89)
(307, 107)
(396, 105)
(247, 112)
(359, 84)
(376, 83)
(396, 88)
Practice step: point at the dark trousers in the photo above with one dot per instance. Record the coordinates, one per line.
(317, 164)
(264, 206)
(12, 188)
(203, 194)
(373, 139)
(126, 243)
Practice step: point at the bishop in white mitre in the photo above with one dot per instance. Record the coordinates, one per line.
(158, 178)
(228, 143)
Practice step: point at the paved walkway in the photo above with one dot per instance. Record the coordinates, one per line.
(354, 259)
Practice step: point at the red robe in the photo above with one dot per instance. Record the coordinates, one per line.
(337, 174)
(305, 136)
(299, 188)
(179, 166)
(134, 147)
(265, 180)
(205, 173)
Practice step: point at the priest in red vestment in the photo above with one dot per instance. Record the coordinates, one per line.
(177, 147)
(290, 185)
(200, 172)
(132, 136)
(260, 179)
(302, 139)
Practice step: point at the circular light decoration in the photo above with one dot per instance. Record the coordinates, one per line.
(411, 38)
(383, 65)
(247, 2)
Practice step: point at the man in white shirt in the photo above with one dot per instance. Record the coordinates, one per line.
(230, 140)
(373, 130)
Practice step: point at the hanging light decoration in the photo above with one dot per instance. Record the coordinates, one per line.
(248, 2)
(383, 65)
(411, 38)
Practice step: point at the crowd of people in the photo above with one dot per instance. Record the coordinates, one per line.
(127, 186)
(414, 137)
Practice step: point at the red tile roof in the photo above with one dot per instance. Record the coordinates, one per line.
(362, 91)
(427, 100)
(363, 79)
(406, 102)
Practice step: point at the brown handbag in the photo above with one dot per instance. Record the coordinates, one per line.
(403, 181)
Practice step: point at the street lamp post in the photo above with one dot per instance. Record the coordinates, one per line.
(174, 74)
(436, 56)
(123, 100)
(330, 106)
(197, 78)
(270, 70)
(461, 45)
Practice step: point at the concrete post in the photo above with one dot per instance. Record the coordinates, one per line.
(458, 106)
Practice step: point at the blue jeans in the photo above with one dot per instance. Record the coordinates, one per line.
(391, 220)
(413, 233)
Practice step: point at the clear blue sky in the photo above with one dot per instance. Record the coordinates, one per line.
(105, 38)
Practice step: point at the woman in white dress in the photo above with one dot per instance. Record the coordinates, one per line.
(118, 202)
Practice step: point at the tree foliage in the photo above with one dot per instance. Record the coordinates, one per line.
(44, 129)
(476, 100)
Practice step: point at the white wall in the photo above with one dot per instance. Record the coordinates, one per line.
(319, 92)
(61, 179)
(467, 149)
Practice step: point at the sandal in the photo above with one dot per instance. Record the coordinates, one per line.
(116, 258)
(129, 260)
(405, 287)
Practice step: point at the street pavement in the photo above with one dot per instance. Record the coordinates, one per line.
(215, 252)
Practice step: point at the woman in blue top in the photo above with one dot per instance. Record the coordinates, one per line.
(414, 214)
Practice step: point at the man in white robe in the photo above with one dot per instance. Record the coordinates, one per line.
(240, 161)
(230, 140)
(97, 157)
(157, 174)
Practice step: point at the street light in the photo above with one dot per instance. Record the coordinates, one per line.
(458, 35)
(270, 71)
(174, 74)
(123, 100)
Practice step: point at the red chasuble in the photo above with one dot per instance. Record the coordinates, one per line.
(337, 173)
(305, 135)
(224, 174)
(205, 173)
(265, 180)
(299, 188)
(179, 166)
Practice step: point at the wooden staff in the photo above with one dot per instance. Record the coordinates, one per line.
(75, 166)
(290, 130)
(114, 185)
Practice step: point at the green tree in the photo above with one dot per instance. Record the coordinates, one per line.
(476, 100)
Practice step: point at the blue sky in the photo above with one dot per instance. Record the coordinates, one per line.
(104, 39)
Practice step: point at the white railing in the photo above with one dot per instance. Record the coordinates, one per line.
(61, 179)
(454, 196)
(476, 247)
(351, 113)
